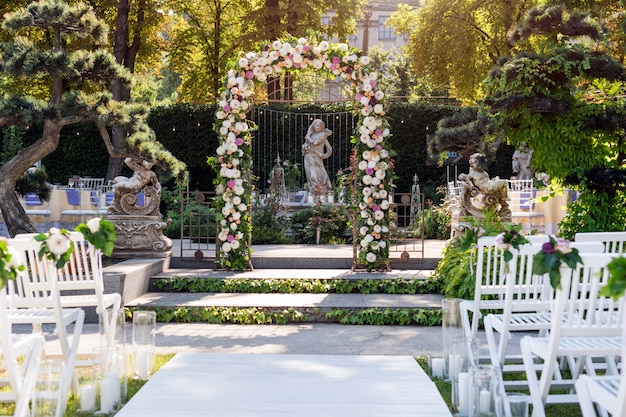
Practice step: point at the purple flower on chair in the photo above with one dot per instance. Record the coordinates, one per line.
(548, 259)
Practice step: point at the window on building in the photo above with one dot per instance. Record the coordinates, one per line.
(385, 33)
(325, 20)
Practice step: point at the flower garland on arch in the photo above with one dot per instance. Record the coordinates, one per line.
(374, 159)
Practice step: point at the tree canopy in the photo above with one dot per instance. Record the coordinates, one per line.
(62, 46)
(456, 42)
(564, 99)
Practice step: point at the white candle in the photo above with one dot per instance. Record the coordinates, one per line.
(142, 363)
(109, 392)
(87, 397)
(484, 401)
(437, 367)
(464, 394)
(455, 365)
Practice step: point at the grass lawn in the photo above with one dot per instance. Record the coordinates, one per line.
(445, 388)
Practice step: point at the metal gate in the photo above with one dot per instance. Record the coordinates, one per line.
(407, 235)
(198, 227)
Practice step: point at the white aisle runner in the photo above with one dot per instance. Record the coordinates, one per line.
(227, 385)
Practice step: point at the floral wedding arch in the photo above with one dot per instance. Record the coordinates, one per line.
(234, 154)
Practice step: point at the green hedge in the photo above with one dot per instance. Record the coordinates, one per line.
(187, 131)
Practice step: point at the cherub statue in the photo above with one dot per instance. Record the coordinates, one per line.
(494, 191)
(143, 180)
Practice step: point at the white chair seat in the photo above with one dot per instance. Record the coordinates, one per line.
(578, 346)
(90, 300)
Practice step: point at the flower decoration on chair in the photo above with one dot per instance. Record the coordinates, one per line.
(511, 238)
(100, 233)
(56, 245)
(10, 262)
(549, 259)
(233, 160)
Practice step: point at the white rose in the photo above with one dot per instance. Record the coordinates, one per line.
(234, 244)
(365, 60)
(58, 244)
(242, 207)
(94, 225)
(367, 179)
(362, 165)
(370, 257)
(226, 247)
(236, 200)
(16, 258)
(243, 62)
(233, 226)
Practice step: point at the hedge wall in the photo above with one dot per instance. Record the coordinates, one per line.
(187, 131)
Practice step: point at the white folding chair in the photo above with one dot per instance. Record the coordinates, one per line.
(614, 242)
(583, 326)
(18, 380)
(608, 393)
(526, 304)
(37, 302)
(81, 284)
(489, 283)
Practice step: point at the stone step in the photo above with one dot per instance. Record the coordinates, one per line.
(313, 306)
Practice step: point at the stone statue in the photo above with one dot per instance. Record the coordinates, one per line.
(493, 192)
(521, 163)
(138, 224)
(315, 149)
(143, 180)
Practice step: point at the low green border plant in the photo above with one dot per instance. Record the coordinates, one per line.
(254, 315)
(293, 285)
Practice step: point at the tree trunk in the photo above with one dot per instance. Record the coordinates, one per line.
(15, 218)
(125, 54)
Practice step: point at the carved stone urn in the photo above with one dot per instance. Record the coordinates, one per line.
(138, 225)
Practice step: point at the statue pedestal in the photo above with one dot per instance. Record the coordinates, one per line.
(140, 237)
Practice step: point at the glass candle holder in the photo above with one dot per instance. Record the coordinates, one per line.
(111, 377)
(144, 332)
(451, 326)
(48, 392)
(87, 388)
(485, 390)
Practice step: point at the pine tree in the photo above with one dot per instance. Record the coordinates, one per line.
(62, 44)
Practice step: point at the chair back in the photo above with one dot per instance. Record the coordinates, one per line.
(84, 270)
(36, 286)
(90, 183)
(579, 309)
(614, 242)
(519, 185)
